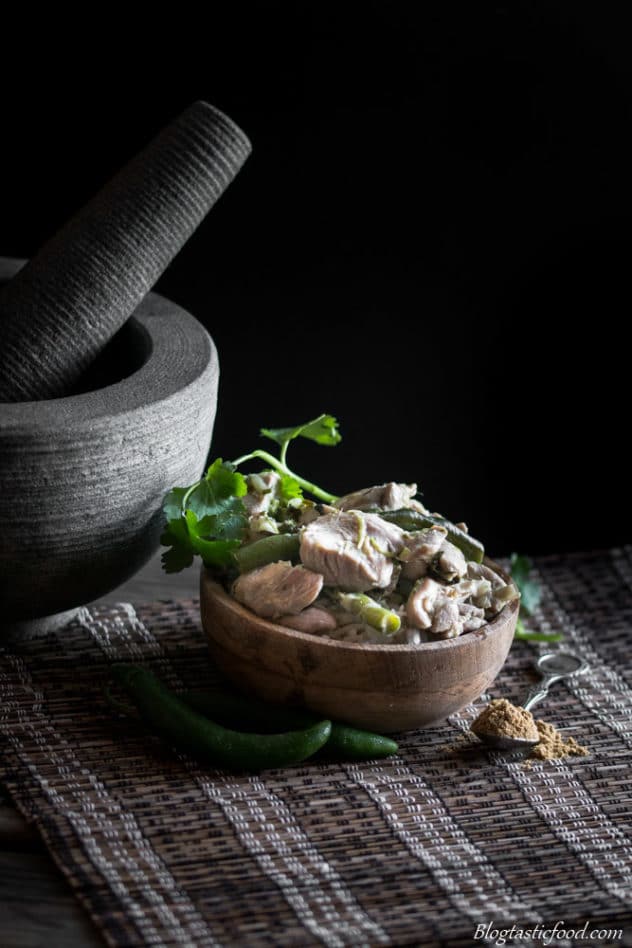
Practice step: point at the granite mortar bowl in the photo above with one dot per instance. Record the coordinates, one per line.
(82, 478)
(383, 688)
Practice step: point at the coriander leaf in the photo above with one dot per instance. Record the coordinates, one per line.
(531, 596)
(172, 504)
(208, 518)
(520, 567)
(218, 553)
(323, 430)
(289, 488)
(203, 527)
(530, 591)
(176, 536)
(215, 552)
(225, 480)
(232, 523)
(229, 524)
(217, 490)
(176, 559)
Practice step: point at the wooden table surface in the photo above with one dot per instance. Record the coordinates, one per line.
(37, 907)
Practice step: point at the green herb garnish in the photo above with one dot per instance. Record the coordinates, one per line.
(209, 518)
(527, 635)
(530, 597)
(323, 430)
(530, 591)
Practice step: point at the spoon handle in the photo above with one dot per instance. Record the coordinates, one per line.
(538, 692)
(534, 697)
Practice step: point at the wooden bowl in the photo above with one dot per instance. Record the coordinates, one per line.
(382, 688)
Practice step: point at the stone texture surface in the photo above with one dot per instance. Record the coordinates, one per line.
(71, 298)
(82, 478)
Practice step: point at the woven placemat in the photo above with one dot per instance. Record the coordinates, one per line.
(430, 847)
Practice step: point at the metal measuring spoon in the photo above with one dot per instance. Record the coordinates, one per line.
(553, 666)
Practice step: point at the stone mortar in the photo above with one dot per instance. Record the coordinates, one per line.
(82, 478)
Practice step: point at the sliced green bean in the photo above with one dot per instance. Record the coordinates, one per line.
(371, 612)
(184, 727)
(412, 520)
(278, 546)
(239, 711)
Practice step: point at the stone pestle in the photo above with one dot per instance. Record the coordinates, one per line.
(60, 310)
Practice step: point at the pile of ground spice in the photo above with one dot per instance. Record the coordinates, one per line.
(553, 746)
(503, 719)
(500, 717)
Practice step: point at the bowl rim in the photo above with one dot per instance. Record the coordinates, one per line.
(167, 330)
(467, 640)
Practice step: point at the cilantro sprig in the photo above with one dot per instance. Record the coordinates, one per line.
(530, 596)
(209, 518)
(323, 430)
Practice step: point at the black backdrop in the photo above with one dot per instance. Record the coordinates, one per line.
(431, 239)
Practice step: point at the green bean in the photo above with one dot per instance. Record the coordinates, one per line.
(371, 612)
(345, 742)
(188, 730)
(278, 546)
(412, 520)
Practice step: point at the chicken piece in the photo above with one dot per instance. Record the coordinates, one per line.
(411, 636)
(422, 547)
(397, 572)
(352, 550)
(262, 490)
(446, 621)
(421, 603)
(358, 632)
(389, 496)
(435, 608)
(261, 525)
(277, 589)
(494, 592)
(504, 594)
(473, 589)
(342, 617)
(471, 616)
(478, 591)
(483, 596)
(482, 571)
(308, 512)
(314, 620)
(450, 562)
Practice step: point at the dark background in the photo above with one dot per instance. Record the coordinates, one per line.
(431, 239)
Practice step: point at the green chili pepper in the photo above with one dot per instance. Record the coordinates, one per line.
(412, 520)
(278, 546)
(345, 743)
(176, 721)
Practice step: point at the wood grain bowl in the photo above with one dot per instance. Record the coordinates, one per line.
(82, 478)
(383, 688)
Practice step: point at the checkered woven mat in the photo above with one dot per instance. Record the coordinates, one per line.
(432, 846)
